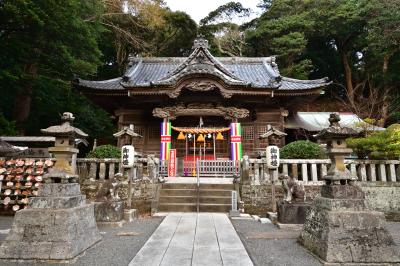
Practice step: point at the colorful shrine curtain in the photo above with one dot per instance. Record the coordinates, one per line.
(236, 142)
(165, 140)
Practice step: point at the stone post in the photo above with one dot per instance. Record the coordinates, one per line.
(58, 224)
(126, 136)
(274, 138)
(338, 228)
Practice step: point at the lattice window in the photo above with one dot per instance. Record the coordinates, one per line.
(247, 132)
(154, 132)
(141, 131)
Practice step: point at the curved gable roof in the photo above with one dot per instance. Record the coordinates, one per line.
(260, 72)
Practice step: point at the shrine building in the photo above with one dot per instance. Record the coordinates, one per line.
(203, 106)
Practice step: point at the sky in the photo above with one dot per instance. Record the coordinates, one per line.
(199, 9)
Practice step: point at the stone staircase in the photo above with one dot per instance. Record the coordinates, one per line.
(177, 197)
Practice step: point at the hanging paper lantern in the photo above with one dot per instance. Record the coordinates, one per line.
(200, 138)
(181, 136)
(219, 136)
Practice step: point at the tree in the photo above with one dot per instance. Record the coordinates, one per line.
(281, 31)
(378, 145)
(354, 42)
(227, 38)
(175, 37)
(43, 41)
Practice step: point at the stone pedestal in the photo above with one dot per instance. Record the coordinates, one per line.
(109, 211)
(340, 230)
(292, 213)
(57, 225)
(130, 215)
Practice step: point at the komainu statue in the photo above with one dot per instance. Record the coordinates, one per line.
(108, 190)
(294, 191)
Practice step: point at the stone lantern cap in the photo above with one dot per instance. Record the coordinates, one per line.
(272, 132)
(65, 129)
(127, 131)
(335, 131)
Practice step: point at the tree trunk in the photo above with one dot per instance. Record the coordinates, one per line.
(385, 113)
(348, 78)
(386, 92)
(23, 100)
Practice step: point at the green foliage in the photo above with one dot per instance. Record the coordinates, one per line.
(378, 145)
(44, 45)
(354, 43)
(225, 13)
(7, 128)
(105, 151)
(302, 149)
(175, 37)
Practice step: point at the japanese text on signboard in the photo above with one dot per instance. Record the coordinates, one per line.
(127, 156)
(272, 157)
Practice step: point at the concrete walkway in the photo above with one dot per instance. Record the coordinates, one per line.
(193, 239)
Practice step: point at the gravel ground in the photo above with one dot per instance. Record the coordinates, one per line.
(113, 250)
(268, 245)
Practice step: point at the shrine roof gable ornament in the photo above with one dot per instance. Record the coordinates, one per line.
(146, 75)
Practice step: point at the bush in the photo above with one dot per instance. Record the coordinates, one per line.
(105, 151)
(378, 145)
(302, 149)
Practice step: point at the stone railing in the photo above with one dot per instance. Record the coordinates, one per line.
(310, 172)
(98, 169)
(102, 169)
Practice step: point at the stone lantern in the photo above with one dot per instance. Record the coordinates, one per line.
(58, 224)
(338, 228)
(338, 175)
(64, 149)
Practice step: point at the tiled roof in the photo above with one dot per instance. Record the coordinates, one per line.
(260, 72)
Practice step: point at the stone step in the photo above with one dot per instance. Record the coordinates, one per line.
(194, 186)
(177, 199)
(178, 192)
(215, 193)
(215, 200)
(214, 207)
(193, 199)
(177, 207)
(192, 207)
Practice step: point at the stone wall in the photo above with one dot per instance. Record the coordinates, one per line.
(143, 193)
(383, 196)
(257, 198)
(380, 196)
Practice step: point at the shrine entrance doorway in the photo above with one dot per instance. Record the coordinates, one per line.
(200, 141)
(186, 131)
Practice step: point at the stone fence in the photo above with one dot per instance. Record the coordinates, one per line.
(102, 169)
(310, 172)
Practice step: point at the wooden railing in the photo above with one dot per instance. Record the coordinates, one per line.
(311, 171)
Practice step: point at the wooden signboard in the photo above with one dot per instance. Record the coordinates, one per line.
(172, 163)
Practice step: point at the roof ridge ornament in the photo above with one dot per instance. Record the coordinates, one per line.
(200, 42)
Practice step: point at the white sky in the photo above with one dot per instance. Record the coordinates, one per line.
(199, 9)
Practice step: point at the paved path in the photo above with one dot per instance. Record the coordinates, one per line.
(193, 239)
